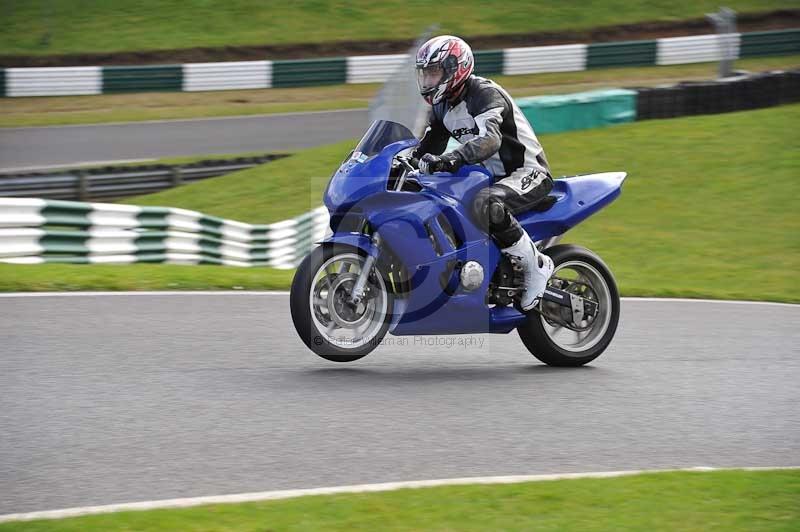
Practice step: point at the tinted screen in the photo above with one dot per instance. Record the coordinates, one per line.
(380, 134)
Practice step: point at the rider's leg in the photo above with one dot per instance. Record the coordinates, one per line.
(492, 209)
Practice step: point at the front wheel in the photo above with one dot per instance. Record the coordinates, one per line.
(325, 319)
(551, 335)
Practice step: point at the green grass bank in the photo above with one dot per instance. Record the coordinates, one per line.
(728, 501)
(708, 209)
(57, 26)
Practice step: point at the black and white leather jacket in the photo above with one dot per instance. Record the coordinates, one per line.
(490, 128)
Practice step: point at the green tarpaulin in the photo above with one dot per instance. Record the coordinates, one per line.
(581, 110)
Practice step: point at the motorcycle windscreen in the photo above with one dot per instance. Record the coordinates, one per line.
(379, 135)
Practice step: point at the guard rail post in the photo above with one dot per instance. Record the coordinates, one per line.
(176, 178)
(83, 185)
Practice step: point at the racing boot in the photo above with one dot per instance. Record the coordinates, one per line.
(536, 270)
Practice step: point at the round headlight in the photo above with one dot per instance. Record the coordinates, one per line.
(471, 275)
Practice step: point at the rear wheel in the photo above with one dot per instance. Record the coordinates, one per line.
(552, 335)
(326, 320)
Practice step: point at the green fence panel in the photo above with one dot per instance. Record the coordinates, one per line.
(142, 79)
(299, 73)
(2, 82)
(770, 43)
(629, 53)
(489, 62)
(582, 110)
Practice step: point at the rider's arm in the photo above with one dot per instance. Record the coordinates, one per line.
(490, 106)
(434, 140)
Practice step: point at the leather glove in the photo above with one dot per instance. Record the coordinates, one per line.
(449, 162)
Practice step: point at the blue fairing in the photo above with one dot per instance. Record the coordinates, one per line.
(577, 198)
(414, 226)
(356, 180)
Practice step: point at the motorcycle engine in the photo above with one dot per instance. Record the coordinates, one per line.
(505, 284)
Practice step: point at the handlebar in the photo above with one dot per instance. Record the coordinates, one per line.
(411, 165)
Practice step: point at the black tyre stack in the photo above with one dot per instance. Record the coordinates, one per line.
(751, 91)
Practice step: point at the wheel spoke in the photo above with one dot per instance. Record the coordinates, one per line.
(330, 270)
(362, 329)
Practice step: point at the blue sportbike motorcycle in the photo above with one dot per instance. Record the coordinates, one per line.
(405, 258)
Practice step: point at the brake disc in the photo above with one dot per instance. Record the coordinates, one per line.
(346, 314)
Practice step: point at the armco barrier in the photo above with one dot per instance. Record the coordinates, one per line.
(143, 79)
(373, 68)
(227, 76)
(541, 59)
(770, 43)
(376, 69)
(619, 54)
(695, 49)
(112, 182)
(34, 231)
(53, 81)
(489, 62)
(309, 72)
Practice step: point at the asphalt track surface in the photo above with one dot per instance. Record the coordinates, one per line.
(37, 147)
(110, 399)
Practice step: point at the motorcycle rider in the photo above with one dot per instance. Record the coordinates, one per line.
(492, 130)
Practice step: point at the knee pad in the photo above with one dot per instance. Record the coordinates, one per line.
(497, 212)
(493, 215)
(480, 208)
(488, 208)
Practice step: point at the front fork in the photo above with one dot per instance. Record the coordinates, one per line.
(359, 288)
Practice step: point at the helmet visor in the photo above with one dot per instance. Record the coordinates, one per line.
(430, 77)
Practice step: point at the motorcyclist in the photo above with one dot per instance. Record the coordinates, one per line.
(492, 130)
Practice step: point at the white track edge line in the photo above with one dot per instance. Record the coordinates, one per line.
(72, 166)
(699, 300)
(360, 488)
(286, 293)
(195, 119)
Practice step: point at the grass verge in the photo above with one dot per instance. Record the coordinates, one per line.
(708, 209)
(686, 501)
(264, 194)
(71, 110)
(183, 160)
(56, 27)
(77, 277)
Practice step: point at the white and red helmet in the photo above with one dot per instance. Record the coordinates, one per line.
(443, 64)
